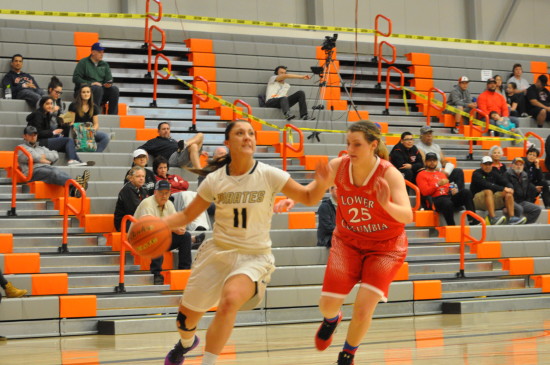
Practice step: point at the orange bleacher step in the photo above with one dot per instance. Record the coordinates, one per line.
(41, 190)
(203, 59)
(290, 153)
(113, 240)
(353, 117)
(225, 112)
(50, 284)
(267, 138)
(132, 121)
(418, 58)
(98, 223)
(427, 289)
(310, 161)
(402, 273)
(6, 243)
(519, 265)
(301, 220)
(426, 218)
(487, 250)
(77, 306)
(199, 45)
(145, 134)
(6, 159)
(513, 152)
(145, 262)
(337, 105)
(543, 282)
(177, 279)
(451, 233)
(21, 263)
(58, 204)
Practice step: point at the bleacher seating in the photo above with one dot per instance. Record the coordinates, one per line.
(513, 264)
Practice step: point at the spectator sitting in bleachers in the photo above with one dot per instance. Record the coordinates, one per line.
(521, 83)
(406, 157)
(446, 198)
(491, 192)
(160, 168)
(490, 100)
(515, 101)
(55, 90)
(178, 153)
(538, 101)
(130, 196)
(23, 86)
(43, 159)
(524, 191)
(276, 93)
(460, 98)
(92, 70)
(140, 159)
(496, 153)
(536, 177)
(86, 112)
(51, 136)
(500, 85)
(505, 123)
(10, 290)
(327, 218)
(426, 145)
(158, 205)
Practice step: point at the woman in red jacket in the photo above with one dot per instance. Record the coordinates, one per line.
(177, 183)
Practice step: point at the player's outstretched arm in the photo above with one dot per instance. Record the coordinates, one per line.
(189, 214)
(393, 186)
(315, 190)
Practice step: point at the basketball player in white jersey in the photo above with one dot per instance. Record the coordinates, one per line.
(232, 269)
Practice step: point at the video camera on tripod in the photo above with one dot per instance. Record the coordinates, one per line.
(330, 42)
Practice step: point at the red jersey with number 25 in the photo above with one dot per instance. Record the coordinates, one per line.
(358, 214)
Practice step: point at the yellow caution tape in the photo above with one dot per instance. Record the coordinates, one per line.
(268, 24)
(259, 120)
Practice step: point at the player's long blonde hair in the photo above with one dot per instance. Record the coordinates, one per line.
(372, 133)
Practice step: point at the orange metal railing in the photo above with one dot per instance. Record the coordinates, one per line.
(68, 207)
(149, 16)
(198, 97)
(290, 146)
(464, 236)
(152, 45)
(377, 32)
(248, 110)
(157, 74)
(541, 140)
(381, 59)
(18, 176)
(390, 85)
(432, 105)
(473, 128)
(417, 194)
(124, 244)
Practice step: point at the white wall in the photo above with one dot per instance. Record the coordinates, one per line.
(447, 18)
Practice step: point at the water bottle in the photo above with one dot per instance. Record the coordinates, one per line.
(451, 187)
(7, 92)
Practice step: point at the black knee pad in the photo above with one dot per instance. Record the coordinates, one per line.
(180, 321)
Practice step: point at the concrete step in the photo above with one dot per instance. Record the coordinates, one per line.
(485, 305)
(106, 283)
(20, 222)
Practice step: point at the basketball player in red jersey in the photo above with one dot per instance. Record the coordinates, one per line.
(369, 243)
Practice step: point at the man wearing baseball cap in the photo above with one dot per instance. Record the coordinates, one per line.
(460, 98)
(43, 159)
(160, 206)
(491, 192)
(93, 71)
(538, 101)
(524, 191)
(140, 159)
(490, 100)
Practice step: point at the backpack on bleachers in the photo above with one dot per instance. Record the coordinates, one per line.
(84, 137)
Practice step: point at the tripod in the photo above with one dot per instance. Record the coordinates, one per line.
(323, 81)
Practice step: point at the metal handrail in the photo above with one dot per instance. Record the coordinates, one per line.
(18, 176)
(196, 98)
(152, 45)
(342, 153)
(477, 128)
(541, 140)
(248, 110)
(68, 207)
(149, 16)
(289, 145)
(377, 31)
(417, 193)
(434, 106)
(124, 244)
(390, 85)
(382, 58)
(464, 236)
(156, 73)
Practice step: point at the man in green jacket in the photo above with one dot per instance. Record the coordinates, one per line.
(93, 71)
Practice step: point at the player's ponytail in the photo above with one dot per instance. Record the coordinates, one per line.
(372, 133)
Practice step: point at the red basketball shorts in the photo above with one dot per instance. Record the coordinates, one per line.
(373, 263)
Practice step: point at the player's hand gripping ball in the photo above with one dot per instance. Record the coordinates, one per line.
(150, 236)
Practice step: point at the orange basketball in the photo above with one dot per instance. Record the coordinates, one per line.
(150, 236)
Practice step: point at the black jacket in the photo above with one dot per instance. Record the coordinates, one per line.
(128, 200)
(150, 180)
(523, 189)
(492, 180)
(327, 222)
(535, 175)
(17, 80)
(400, 155)
(160, 146)
(41, 121)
